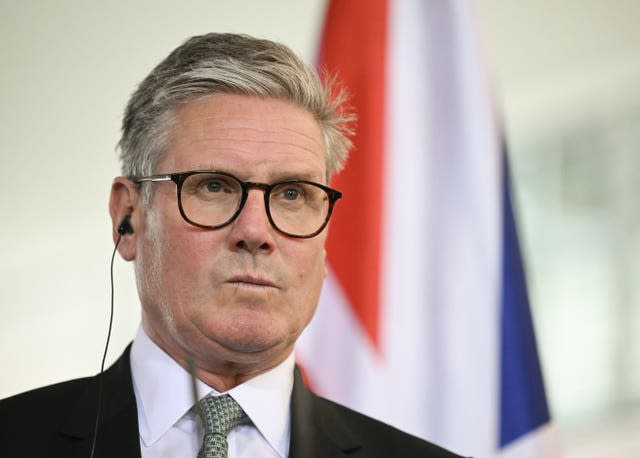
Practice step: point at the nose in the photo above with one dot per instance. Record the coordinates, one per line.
(251, 231)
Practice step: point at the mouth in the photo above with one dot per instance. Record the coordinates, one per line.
(251, 282)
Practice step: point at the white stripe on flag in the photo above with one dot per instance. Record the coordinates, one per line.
(442, 252)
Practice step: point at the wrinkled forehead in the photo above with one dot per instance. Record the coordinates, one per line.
(228, 115)
(246, 129)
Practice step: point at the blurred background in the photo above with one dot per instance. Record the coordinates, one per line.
(567, 82)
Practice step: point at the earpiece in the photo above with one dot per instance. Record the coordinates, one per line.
(125, 226)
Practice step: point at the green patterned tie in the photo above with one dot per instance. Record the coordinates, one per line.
(219, 416)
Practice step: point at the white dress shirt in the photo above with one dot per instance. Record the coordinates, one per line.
(168, 425)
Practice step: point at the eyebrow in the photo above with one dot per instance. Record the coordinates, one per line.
(288, 176)
(275, 178)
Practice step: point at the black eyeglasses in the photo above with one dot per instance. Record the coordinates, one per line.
(211, 200)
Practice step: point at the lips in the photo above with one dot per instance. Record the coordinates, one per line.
(248, 280)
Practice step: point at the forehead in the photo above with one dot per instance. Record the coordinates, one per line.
(245, 134)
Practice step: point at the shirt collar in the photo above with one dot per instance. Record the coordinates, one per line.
(266, 400)
(164, 394)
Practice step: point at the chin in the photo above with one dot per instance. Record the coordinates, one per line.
(250, 334)
(253, 345)
(261, 351)
(253, 331)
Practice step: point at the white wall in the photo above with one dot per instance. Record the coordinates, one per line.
(557, 62)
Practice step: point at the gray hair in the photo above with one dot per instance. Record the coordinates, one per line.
(227, 63)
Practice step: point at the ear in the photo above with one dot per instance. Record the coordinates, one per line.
(125, 200)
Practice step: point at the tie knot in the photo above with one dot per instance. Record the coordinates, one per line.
(220, 414)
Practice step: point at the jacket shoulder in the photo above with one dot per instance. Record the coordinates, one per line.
(63, 417)
(44, 398)
(37, 413)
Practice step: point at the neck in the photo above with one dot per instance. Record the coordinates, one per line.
(221, 370)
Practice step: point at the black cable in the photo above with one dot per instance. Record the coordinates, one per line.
(104, 356)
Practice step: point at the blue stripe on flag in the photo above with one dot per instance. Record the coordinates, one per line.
(523, 404)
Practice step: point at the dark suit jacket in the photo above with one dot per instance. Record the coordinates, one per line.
(58, 421)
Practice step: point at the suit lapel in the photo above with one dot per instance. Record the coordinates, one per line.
(118, 427)
(317, 430)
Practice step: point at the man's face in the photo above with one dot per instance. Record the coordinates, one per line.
(240, 295)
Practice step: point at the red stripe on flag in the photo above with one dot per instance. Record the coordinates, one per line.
(354, 48)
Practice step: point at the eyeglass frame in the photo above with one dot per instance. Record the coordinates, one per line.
(180, 177)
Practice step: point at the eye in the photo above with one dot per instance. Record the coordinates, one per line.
(216, 184)
(212, 186)
(291, 193)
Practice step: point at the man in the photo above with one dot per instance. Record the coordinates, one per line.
(227, 150)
